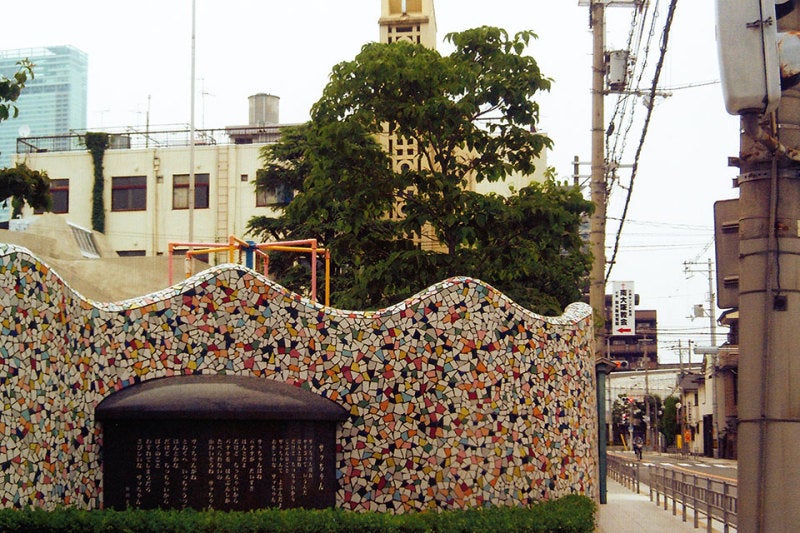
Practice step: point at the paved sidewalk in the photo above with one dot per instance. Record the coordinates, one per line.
(628, 512)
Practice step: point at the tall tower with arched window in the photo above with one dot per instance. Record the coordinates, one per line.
(414, 21)
(411, 20)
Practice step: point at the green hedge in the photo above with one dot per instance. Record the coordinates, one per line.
(569, 514)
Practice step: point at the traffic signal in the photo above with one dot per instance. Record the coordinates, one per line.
(747, 45)
(757, 60)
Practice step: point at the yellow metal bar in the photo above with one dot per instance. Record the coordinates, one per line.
(281, 248)
(233, 239)
(314, 271)
(327, 278)
(234, 243)
(201, 251)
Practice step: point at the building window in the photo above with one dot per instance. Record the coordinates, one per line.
(59, 193)
(129, 193)
(279, 195)
(180, 191)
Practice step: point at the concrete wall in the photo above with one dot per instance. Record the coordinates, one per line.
(457, 396)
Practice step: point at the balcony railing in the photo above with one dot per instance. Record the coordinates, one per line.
(131, 138)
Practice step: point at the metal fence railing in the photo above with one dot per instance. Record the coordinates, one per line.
(715, 499)
(131, 138)
(624, 471)
(711, 499)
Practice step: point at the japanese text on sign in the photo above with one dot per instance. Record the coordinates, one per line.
(622, 303)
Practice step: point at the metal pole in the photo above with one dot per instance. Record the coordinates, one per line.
(597, 223)
(711, 304)
(191, 131)
(602, 371)
(648, 426)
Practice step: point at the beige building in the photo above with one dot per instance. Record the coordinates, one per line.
(146, 189)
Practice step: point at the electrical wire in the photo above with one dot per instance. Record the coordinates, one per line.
(625, 107)
(656, 76)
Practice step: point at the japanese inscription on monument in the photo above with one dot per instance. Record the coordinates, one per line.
(219, 464)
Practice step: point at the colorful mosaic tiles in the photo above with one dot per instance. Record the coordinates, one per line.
(457, 397)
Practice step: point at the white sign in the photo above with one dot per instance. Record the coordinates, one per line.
(623, 319)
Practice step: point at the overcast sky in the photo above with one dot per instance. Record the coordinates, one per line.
(139, 67)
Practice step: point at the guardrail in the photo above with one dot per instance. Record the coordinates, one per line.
(712, 499)
(624, 472)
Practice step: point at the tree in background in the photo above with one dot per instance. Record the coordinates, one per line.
(472, 116)
(20, 183)
(345, 189)
(669, 422)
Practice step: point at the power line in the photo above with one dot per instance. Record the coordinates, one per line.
(653, 89)
(671, 225)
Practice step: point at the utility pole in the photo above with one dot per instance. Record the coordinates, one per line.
(712, 326)
(597, 223)
(769, 309)
(598, 185)
(769, 254)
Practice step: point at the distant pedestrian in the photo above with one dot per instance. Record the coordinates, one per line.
(638, 443)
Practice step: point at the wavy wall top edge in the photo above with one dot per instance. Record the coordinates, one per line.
(574, 313)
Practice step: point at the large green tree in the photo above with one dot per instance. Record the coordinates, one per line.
(20, 182)
(472, 116)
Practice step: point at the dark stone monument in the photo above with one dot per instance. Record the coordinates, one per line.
(218, 442)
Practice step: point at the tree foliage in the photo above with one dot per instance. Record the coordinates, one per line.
(23, 184)
(11, 88)
(20, 183)
(472, 117)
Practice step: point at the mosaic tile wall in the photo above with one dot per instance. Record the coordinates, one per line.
(458, 397)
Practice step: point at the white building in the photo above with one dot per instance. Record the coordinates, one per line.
(146, 181)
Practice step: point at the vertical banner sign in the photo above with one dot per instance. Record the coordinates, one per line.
(622, 303)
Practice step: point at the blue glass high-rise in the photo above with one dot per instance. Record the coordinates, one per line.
(54, 102)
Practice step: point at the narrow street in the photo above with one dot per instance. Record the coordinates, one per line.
(704, 466)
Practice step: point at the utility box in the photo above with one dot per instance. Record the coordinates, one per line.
(618, 70)
(748, 55)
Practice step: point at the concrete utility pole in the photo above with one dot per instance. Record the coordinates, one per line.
(769, 263)
(712, 326)
(598, 185)
(769, 319)
(597, 223)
